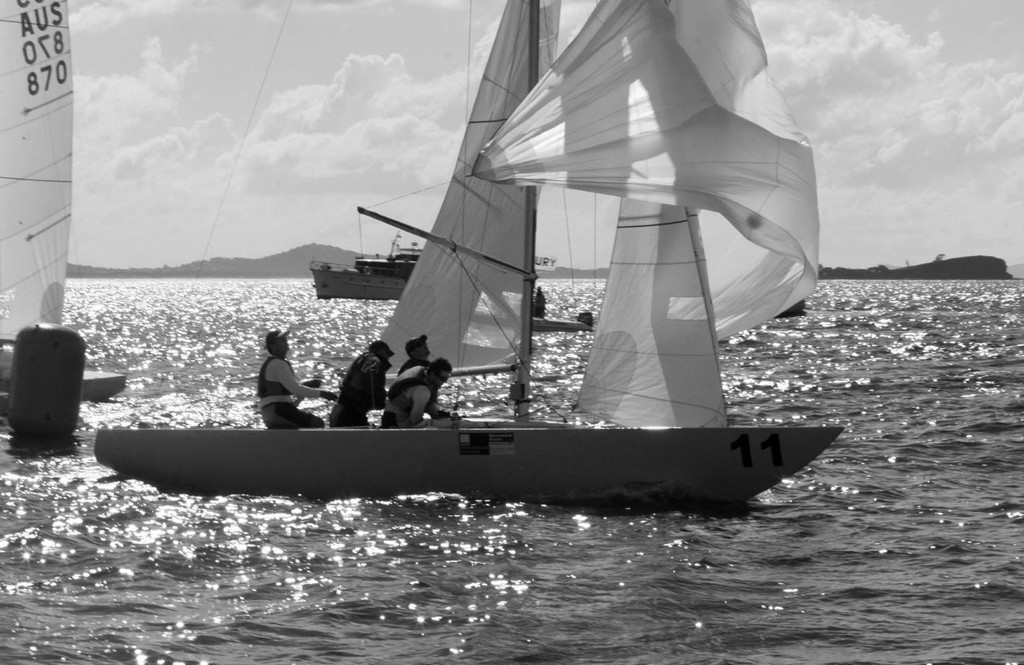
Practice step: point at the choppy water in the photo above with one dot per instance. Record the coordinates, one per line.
(902, 544)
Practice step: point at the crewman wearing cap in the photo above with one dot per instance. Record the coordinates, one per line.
(279, 391)
(419, 354)
(363, 389)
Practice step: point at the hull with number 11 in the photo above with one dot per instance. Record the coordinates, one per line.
(503, 461)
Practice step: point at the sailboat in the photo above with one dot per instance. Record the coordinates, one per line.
(35, 180)
(643, 84)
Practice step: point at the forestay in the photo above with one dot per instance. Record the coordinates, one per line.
(35, 165)
(672, 103)
(470, 309)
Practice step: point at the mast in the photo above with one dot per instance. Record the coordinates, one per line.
(521, 387)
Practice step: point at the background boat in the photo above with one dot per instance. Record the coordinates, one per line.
(372, 277)
(385, 277)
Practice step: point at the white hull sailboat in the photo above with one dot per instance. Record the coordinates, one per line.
(667, 105)
(35, 179)
(520, 463)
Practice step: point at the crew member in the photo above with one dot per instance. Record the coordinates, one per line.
(414, 394)
(419, 354)
(363, 389)
(279, 391)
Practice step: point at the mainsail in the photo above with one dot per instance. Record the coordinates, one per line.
(469, 308)
(672, 103)
(35, 163)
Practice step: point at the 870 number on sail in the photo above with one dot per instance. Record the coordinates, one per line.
(43, 40)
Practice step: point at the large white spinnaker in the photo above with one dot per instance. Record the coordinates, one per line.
(469, 308)
(678, 108)
(35, 163)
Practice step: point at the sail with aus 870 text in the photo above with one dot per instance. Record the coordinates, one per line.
(35, 163)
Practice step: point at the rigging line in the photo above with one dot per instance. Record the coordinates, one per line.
(245, 135)
(407, 195)
(568, 237)
(460, 226)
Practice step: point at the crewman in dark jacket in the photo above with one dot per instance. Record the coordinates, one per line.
(363, 388)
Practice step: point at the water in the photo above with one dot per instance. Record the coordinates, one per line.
(902, 544)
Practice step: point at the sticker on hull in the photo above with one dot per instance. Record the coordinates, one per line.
(486, 443)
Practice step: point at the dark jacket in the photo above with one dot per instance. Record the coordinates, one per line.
(363, 385)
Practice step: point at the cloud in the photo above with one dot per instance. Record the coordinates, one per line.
(372, 128)
(111, 106)
(883, 107)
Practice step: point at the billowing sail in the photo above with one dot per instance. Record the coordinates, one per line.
(671, 103)
(654, 361)
(35, 163)
(469, 309)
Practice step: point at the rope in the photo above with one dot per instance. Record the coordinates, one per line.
(245, 136)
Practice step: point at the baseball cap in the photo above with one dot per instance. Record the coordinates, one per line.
(415, 343)
(379, 347)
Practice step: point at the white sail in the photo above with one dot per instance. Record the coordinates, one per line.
(672, 103)
(470, 309)
(655, 360)
(35, 163)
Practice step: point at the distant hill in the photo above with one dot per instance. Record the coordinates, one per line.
(291, 264)
(965, 267)
(294, 263)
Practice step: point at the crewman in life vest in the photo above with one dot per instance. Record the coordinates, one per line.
(279, 391)
(414, 394)
(362, 389)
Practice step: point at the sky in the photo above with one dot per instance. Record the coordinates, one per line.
(244, 128)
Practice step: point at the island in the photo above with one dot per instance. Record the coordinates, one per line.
(294, 263)
(964, 267)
